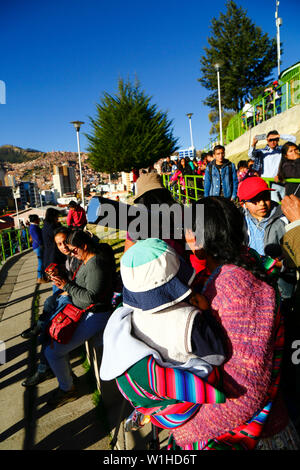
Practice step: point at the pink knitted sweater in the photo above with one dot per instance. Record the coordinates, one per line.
(245, 308)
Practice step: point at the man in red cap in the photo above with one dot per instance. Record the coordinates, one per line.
(265, 224)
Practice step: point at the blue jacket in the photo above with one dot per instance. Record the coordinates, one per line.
(212, 183)
(36, 234)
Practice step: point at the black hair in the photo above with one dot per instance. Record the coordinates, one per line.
(224, 235)
(218, 147)
(33, 218)
(156, 196)
(72, 204)
(52, 215)
(272, 133)
(242, 164)
(161, 196)
(62, 229)
(79, 238)
(286, 146)
(284, 150)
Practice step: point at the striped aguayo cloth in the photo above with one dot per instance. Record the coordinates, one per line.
(169, 396)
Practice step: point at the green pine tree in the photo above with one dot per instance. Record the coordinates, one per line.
(128, 131)
(246, 56)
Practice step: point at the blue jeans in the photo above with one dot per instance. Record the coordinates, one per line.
(39, 254)
(57, 354)
(55, 289)
(52, 305)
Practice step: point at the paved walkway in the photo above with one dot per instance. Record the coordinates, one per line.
(26, 421)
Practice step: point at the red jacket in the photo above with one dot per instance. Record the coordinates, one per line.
(76, 217)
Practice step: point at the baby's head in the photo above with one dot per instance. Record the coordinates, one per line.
(154, 276)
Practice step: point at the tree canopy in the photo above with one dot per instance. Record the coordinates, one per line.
(128, 131)
(245, 54)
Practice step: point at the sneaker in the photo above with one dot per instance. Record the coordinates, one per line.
(59, 397)
(37, 378)
(42, 280)
(136, 421)
(31, 332)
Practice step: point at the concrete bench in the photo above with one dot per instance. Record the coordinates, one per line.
(114, 405)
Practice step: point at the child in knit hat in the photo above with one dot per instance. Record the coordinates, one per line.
(157, 286)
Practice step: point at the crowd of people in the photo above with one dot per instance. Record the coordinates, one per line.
(201, 343)
(253, 114)
(221, 176)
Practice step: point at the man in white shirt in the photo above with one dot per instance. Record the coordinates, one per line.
(248, 112)
(267, 159)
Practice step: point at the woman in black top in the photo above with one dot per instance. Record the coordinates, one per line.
(289, 167)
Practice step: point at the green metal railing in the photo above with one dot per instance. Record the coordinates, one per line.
(194, 187)
(267, 106)
(192, 191)
(13, 241)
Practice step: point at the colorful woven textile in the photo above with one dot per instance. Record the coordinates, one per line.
(246, 436)
(169, 396)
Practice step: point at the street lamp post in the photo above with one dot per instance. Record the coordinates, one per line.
(217, 67)
(16, 205)
(278, 24)
(77, 125)
(189, 115)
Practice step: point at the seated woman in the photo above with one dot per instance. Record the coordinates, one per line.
(158, 325)
(245, 303)
(92, 285)
(52, 304)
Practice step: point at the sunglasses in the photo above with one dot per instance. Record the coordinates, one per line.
(274, 140)
(260, 197)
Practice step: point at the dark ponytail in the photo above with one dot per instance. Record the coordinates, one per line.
(79, 238)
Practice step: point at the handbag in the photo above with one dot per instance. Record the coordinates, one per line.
(65, 322)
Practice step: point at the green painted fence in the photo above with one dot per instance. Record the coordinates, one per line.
(13, 241)
(268, 105)
(194, 187)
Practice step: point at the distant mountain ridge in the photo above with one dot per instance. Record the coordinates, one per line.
(13, 154)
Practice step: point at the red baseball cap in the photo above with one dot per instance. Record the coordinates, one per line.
(250, 187)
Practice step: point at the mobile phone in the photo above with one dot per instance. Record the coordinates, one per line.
(261, 137)
(51, 267)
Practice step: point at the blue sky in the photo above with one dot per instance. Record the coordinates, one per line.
(58, 57)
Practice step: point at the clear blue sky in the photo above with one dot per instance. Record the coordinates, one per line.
(58, 57)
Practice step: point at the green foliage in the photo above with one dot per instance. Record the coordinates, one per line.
(246, 56)
(11, 154)
(213, 117)
(129, 132)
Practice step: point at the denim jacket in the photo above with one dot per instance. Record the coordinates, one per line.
(212, 186)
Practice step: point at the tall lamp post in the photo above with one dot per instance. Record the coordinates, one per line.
(189, 115)
(16, 204)
(77, 125)
(278, 24)
(217, 67)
